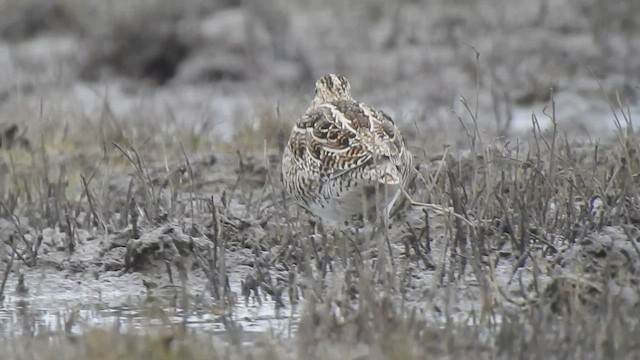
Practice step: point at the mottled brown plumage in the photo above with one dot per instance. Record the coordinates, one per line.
(344, 160)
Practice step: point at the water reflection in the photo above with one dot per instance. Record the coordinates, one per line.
(20, 316)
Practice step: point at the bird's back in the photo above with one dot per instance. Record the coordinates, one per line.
(345, 159)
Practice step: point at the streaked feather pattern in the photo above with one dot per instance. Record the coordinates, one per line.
(341, 153)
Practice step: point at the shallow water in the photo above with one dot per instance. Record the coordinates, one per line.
(73, 310)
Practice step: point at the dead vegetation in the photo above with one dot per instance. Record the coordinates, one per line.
(539, 261)
(558, 214)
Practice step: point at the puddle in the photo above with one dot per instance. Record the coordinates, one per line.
(75, 310)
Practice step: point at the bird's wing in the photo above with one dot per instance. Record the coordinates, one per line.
(335, 138)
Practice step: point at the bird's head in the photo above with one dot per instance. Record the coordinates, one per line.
(331, 87)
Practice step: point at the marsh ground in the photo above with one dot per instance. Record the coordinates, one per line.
(141, 213)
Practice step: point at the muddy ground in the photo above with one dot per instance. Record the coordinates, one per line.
(140, 183)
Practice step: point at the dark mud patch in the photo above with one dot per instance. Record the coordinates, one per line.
(152, 53)
(26, 19)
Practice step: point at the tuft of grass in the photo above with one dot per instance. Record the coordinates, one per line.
(269, 130)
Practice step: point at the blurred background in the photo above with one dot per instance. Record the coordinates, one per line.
(239, 72)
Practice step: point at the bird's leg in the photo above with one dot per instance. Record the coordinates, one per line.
(328, 249)
(385, 254)
(318, 237)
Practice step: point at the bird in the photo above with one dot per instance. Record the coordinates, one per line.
(345, 161)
